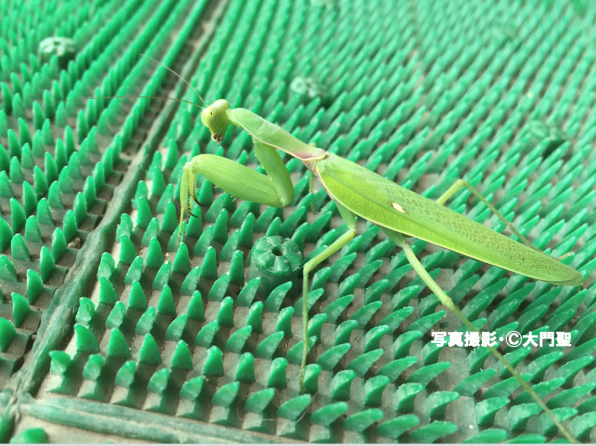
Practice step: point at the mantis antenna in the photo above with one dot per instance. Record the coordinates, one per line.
(119, 97)
(172, 71)
(146, 97)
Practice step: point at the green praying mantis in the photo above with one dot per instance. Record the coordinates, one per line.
(360, 192)
(357, 191)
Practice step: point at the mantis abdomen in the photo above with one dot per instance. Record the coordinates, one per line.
(383, 202)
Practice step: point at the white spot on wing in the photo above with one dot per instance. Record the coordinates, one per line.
(398, 208)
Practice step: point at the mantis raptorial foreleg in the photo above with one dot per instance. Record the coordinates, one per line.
(448, 302)
(344, 239)
(463, 183)
(245, 183)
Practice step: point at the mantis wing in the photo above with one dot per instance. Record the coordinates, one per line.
(273, 135)
(386, 204)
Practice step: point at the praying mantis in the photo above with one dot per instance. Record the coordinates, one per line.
(360, 192)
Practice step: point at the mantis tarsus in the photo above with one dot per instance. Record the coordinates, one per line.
(358, 191)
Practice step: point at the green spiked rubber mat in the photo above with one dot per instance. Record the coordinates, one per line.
(110, 332)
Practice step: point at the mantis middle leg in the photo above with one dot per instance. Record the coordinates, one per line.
(463, 183)
(345, 238)
(448, 302)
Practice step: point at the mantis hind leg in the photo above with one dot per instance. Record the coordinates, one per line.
(462, 183)
(448, 302)
(345, 238)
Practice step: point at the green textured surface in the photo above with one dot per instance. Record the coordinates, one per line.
(110, 332)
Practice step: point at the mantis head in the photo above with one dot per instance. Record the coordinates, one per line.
(215, 118)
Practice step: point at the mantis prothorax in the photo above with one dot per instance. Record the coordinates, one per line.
(357, 191)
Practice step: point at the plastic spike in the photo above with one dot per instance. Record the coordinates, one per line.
(189, 285)
(70, 226)
(209, 266)
(195, 227)
(293, 408)
(126, 374)
(27, 161)
(182, 260)
(7, 269)
(213, 365)
(166, 305)
(35, 435)
(258, 401)
(154, 257)
(363, 315)
(93, 367)
(276, 297)
(7, 333)
(65, 181)
(18, 249)
(149, 352)
(360, 421)
(220, 229)
(248, 292)
(191, 389)
(116, 316)
(176, 328)
(195, 310)
(146, 321)
(255, 317)
(162, 278)
(237, 269)
(117, 346)
(32, 232)
(364, 362)
(225, 315)
(487, 409)
(5, 235)
(226, 394)
(85, 312)
(34, 286)
(16, 173)
(159, 381)
(4, 125)
(44, 214)
(136, 298)
(54, 196)
(20, 309)
(182, 359)
(5, 187)
(143, 214)
(85, 342)
(277, 373)
(236, 341)
(206, 334)
(48, 137)
(204, 243)
(107, 266)
(246, 369)
(47, 266)
(107, 294)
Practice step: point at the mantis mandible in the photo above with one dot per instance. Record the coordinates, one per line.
(360, 192)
